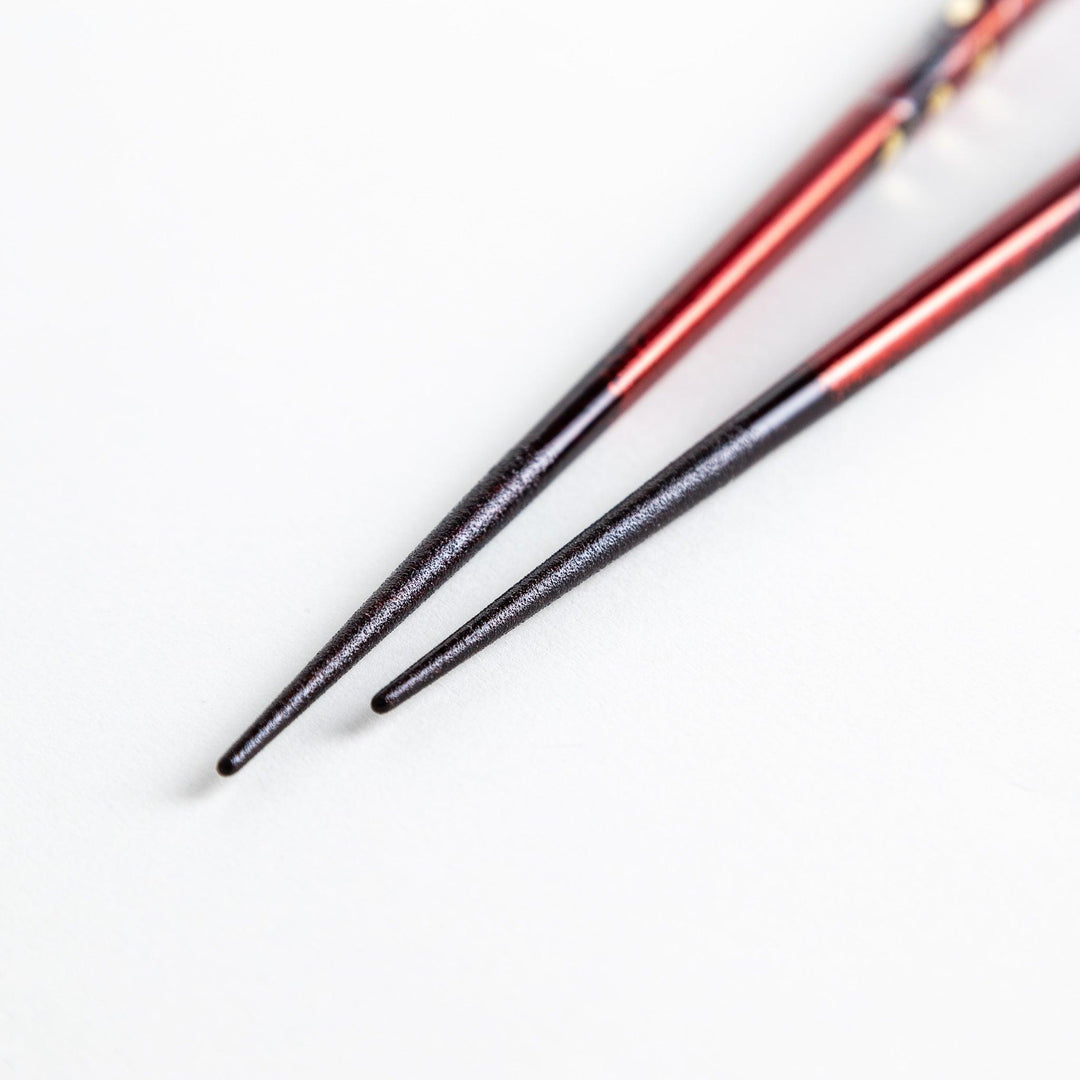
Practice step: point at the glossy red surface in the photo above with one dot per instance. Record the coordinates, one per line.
(764, 235)
(990, 260)
(803, 196)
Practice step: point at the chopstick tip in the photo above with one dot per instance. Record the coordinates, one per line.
(421, 674)
(229, 765)
(384, 700)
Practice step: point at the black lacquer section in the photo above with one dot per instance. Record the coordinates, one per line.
(502, 494)
(715, 461)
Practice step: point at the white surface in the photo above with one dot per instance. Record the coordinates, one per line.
(794, 790)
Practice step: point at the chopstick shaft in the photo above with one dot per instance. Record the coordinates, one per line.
(1001, 252)
(805, 195)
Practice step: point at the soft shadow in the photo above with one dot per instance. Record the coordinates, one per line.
(361, 724)
(202, 786)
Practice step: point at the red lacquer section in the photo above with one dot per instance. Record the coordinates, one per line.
(995, 256)
(816, 184)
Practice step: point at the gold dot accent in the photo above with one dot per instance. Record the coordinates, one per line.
(962, 12)
(985, 58)
(892, 146)
(940, 98)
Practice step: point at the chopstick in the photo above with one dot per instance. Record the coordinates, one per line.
(998, 254)
(871, 131)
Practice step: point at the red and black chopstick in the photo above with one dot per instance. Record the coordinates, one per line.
(873, 129)
(995, 256)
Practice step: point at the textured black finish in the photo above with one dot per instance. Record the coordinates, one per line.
(731, 449)
(502, 494)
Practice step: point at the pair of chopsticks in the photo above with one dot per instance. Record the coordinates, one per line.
(871, 132)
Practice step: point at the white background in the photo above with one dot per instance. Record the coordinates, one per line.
(793, 790)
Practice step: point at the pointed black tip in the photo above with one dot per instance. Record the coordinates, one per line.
(229, 765)
(281, 712)
(383, 701)
(409, 682)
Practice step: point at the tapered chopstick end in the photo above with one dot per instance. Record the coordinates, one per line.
(385, 700)
(229, 766)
